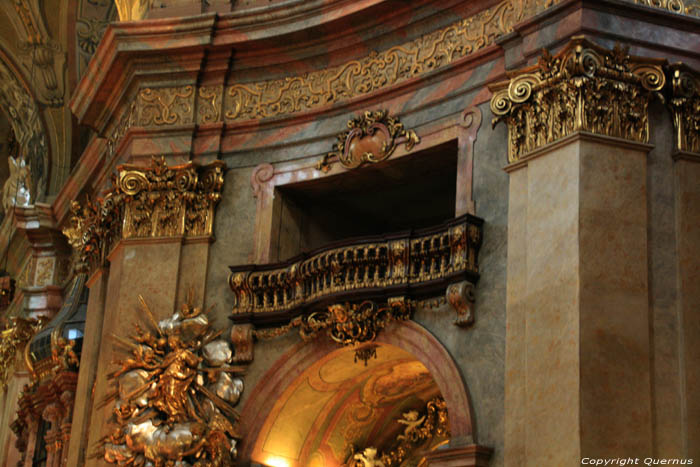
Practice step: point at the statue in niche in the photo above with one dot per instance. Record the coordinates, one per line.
(16, 191)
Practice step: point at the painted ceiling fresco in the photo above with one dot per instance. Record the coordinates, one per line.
(338, 404)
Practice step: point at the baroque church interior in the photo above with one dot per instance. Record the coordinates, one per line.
(358, 233)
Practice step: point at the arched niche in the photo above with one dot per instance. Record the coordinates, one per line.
(316, 400)
(21, 109)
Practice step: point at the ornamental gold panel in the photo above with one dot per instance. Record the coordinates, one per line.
(146, 202)
(165, 106)
(684, 103)
(583, 88)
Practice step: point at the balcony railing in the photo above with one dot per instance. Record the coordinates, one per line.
(412, 264)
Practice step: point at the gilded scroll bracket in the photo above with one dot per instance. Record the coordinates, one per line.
(460, 296)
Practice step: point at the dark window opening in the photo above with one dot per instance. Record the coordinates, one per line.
(412, 192)
(39, 459)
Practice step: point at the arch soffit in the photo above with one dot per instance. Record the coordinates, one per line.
(408, 336)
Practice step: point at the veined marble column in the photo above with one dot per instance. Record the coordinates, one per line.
(578, 373)
(684, 104)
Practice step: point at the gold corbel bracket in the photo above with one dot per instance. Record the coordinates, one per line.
(460, 296)
(370, 138)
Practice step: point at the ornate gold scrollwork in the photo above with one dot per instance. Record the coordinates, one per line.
(174, 394)
(347, 324)
(421, 428)
(156, 201)
(583, 88)
(165, 106)
(370, 138)
(685, 106)
(13, 338)
(377, 70)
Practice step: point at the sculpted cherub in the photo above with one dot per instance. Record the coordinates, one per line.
(368, 457)
(412, 422)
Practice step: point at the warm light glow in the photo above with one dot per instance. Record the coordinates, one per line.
(274, 461)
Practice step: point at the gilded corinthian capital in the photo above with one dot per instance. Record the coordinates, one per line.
(583, 88)
(146, 202)
(685, 106)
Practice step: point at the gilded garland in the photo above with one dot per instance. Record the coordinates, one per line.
(421, 430)
(347, 324)
(174, 395)
(156, 201)
(583, 88)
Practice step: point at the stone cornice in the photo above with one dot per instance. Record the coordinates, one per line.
(102, 88)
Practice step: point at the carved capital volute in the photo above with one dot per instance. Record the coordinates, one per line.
(160, 201)
(583, 88)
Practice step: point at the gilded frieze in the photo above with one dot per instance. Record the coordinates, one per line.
(370, 138)
(583, 88)
(378, 70)
(688, 7)
(684, 102)
(165, 106)
(209, 104)
(173, 394)
(156, 201)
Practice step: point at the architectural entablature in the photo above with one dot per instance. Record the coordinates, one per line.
(411, 264)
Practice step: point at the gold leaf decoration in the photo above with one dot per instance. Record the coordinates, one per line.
(370, 138)
(583, 88)
(174, 394)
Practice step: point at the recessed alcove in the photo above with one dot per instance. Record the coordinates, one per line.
(411, 192)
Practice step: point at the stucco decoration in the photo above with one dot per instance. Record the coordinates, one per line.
(41, 56)
(174, 394)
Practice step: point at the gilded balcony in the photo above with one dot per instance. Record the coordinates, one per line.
(412, 264)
